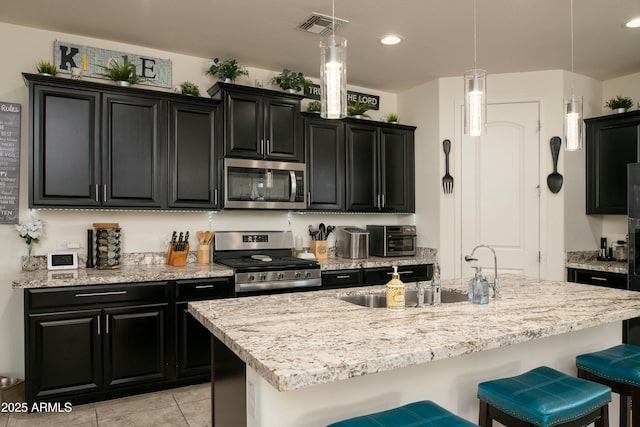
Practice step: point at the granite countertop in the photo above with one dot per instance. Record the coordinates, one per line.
(159, 271)
(586, 260)
(302, 339)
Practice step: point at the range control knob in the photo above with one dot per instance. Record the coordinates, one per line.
(251, 278)
(280, 276)
(307, 274)
(298, 275)
(263, 277)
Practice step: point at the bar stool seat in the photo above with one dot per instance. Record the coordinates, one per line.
(543, 397)
(617, 367)
(418, 414)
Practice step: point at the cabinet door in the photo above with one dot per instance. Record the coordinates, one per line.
(135, 341)
(362, 168)
(612, 143)
(397, 170)
(192, 134)
(193, 345)
(132, 151)
(244, 126)
(282, 137)
(66, 134)
(65, 354)
(325, 153)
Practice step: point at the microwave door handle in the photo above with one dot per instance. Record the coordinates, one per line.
(292, 176)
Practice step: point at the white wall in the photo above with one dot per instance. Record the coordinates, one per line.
(142, 232)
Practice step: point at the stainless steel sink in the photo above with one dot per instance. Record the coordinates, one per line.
(411, 298)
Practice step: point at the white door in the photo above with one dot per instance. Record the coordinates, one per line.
(500, 191)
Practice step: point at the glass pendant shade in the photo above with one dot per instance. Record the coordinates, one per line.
(475, 102)
(573, 123)
(333, 77)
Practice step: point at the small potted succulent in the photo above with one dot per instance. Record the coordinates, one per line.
(357, 110)
(314, 107)
(123, 75)
(189, 88)
(227, 70)
(392, 118)
(290, 81)
(46, 68)
(619, 104)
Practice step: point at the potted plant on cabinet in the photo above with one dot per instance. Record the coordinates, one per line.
(189, 88)
(227, 70)
(314, 107)
(392, 118)
(123, 75)
(46, 68)
(290, 81)
(357, 110)
(619, 104)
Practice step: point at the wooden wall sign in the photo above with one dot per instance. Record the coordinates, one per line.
(9, 162)
(66, 56)
(372, 101)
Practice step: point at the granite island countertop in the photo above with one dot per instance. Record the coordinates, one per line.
(303, 339)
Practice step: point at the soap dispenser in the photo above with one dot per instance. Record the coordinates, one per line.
(395, 292)
(478, 288)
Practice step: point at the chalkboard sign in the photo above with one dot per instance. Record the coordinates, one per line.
(9, 162)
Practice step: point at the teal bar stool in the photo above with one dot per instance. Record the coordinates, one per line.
(619, 368)
(544, 397)
(418, 414)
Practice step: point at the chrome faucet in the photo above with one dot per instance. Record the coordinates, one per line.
(496, 284)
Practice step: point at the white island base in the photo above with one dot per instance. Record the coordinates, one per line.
(451, 383)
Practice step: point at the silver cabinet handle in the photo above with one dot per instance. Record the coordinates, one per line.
(383, 201)
(601, 279)
(308, 198)
(262, 146)
(97, 192)
(204, 286)
(378, 201)
(400, 272)
(98, 320)
(102, 294)
(104, 193)
(346, 276)
(269, 148)
(215, 197)
(106, 322)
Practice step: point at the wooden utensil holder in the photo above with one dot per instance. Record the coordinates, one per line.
(177, 258)
(203, 254)
(319, 248)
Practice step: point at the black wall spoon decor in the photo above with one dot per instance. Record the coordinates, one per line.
(554, 180)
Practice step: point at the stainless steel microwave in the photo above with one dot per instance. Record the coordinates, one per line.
(263, 184)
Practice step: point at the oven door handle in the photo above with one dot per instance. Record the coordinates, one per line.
(294, 185)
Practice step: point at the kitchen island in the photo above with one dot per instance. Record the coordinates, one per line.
(312, 359)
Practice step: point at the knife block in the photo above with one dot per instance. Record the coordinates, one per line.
(177, 258)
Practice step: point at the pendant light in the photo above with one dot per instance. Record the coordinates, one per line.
(572, 110)
(333, 74)
(475, 92)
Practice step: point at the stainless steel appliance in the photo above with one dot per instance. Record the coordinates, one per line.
(392, 240)
(262, 184)
(352, 242)
(263, 262)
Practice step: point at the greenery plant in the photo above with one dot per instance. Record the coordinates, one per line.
(291, 80)
(46, 67)
(619, 102)
(392, 118)
(357, 109)
(228, 69)
(189, 88)
(314, 106)
(121, 73)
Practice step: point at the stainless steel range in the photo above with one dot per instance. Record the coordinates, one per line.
(263, 261)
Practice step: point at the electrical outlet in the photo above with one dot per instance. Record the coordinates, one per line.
(73, 245)
(61, 245)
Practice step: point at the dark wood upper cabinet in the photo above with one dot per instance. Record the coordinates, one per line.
(64, 149)
(260, 123)
(132, 151)
(325, 153)
(611, 143)
(380, 168)
(192, 171)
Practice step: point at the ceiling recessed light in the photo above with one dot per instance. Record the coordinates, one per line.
(390, 40)
(633, 23)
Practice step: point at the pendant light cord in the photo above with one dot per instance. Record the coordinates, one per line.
(333, 17)
(572, 76)
(475, 36)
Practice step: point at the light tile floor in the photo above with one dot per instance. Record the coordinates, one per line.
(187, 406)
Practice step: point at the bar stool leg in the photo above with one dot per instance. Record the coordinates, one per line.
(603, 421)
(635, 403)
(484, 420)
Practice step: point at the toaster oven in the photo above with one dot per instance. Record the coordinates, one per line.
(392, 240)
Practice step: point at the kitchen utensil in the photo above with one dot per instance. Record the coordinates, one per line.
(322, 235)
(447, 179)
(554, 180)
